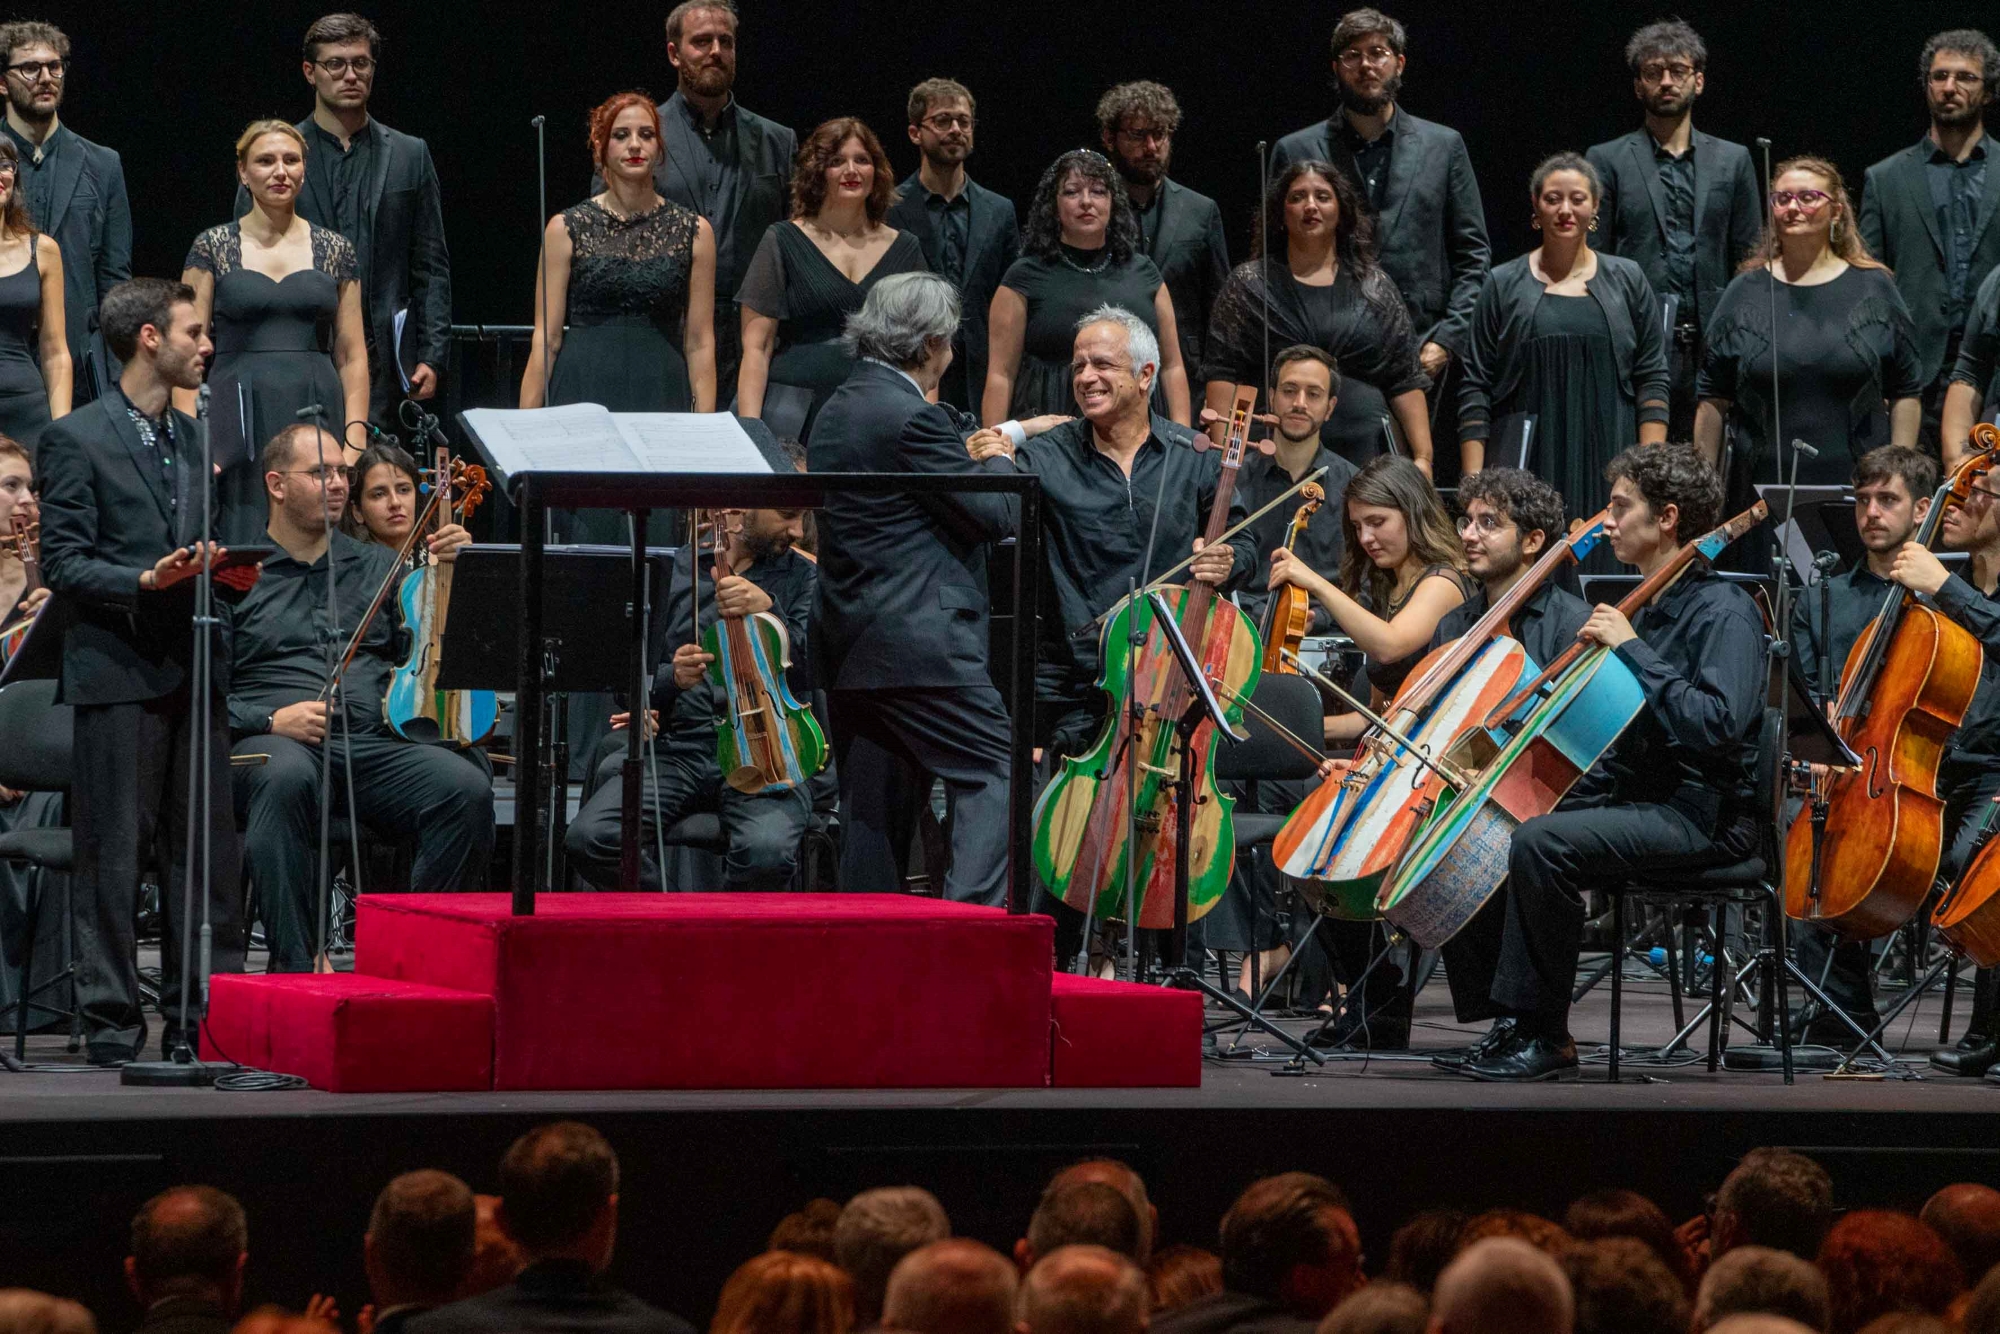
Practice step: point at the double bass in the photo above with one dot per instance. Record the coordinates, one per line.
(1290, 613)
(412, 704)
(1904, 690)
(1125, 782)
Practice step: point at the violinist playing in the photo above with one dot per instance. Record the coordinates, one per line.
(763, 829)
(18, 513)
(1676, 790)
(387, 496)
(278, 636)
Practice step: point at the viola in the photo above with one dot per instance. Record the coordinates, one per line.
(1290, 614)
(765, 740)
(1569, 715)
(413, 705)
(1352, 829)
(1861, 855)
(24, 543)
(1125, 781)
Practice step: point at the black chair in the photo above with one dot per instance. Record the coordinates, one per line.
(36, 758)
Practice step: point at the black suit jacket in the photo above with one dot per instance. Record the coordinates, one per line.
(902, 579)
(1728, 211)
(1431, 234)
(400, 255)
(995, 243)
(764, 151)
(1192, 255)
(1900, 228)
(550, 1297)
(107, 517)
(91, 221)
(185, 1315)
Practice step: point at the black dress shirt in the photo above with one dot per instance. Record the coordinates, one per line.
(37, 173)
(1978, 736)
(715, 174)
(157, 434)
(687, 717)
(1371, 160)
(1677, 183)
(1956, 190)
(1263, 480)
(343, 172)
(1095, 524)
(1853, 599)
(951, 221)
(1545, 625)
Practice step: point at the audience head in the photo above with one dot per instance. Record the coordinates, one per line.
(1178, 1275)
(1660, 494)
(784, 1292)
(1877, 1261)
(190, 1241)
(1537, 1231)
(1620, 1286)
(875, 1231)
(25, 1311)
(1383, 1307)
(1756, 1280)
(954, 1286)
(153, 321)
(1116, 360)
(496, 1259)
(1502, 1285)
(1084, 1289)
(624, 132)
(808, 1231)
(420, 1240)
(277, 1320)
(1760, 1324)
(305, 478)
(1290, 1239)
(842, 161)
(1121, 1178)
(701, 46)
(1774, 1198)
(1908, 1322)
(1627, 1213)
(559, 1194)
(1080, 202)
(1967, 1216)
(907, 320)
(1080, 1213)
(1423, 1246)
(1312, 203)
(1982, 1310)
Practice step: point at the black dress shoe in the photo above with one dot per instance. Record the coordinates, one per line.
(1526, 1058)
(1970, 1062)
(1992, 1076)
(109, 1053)
(1825, 1029)
(1494, 1038)
(1379, 1033)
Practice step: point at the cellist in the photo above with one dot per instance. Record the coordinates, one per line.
(1675, 790)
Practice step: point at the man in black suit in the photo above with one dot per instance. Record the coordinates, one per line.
(1681, 204)
(189, 1247)
(1417, 177)
(1179, 230)
(559, 1203)
(378, 188)
(122, 509)
(419, 1246)
(1927, 210)
(903, 612)
(969, 234)
(75, 191)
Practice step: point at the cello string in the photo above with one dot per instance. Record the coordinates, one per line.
(1298, 743)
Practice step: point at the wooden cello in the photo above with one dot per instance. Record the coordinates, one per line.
(1125, 781)
(1905, 688)
(413, 705)
(1290, 614)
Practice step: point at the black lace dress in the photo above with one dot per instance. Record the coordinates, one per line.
(627, 309)
(273, 357)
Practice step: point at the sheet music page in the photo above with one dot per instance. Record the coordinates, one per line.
(690, 442)
(577, 437)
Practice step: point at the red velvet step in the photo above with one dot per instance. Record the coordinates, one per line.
(620, 991)
(1120, 1035)
(348, 1033)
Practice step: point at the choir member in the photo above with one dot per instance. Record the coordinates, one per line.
(34, 350)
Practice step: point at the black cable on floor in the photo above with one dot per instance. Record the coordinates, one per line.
(247, 1079)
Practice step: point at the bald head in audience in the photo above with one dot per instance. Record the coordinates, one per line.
(957, 1286)
(1084, 1290)
(1502, 1285)
(1081, 1213)
(1757, 1280)
(1760, 1324)
(1967, 1216)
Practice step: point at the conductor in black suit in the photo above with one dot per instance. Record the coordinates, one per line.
(903, 610)
(1927, 210)
(969, 234)
(1681, 204)
(378, 188)
(75, 191)
(122, 508)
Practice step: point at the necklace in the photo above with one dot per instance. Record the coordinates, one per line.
(1104, 258)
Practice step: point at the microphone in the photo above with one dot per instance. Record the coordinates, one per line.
(539, 121)
(381, 437)
(1804, 448)
(1826, 560)
(1762, 142)
(309, 411)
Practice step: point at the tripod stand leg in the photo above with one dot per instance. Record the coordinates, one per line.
(1872, 1039)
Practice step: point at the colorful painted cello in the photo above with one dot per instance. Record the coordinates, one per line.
(1290, 613)
(1350, 831)
(413, 705)
(1574, 710)
(1085, 814)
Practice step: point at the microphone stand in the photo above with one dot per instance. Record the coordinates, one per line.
(542, 286)
(336, 706)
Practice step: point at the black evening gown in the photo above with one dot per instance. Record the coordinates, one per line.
(273, 358)
(791, 281)
(24, 399)
(1582, 417)
(1058, 293)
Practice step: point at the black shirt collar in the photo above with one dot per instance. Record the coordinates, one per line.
(1937, 157)
(723, 120)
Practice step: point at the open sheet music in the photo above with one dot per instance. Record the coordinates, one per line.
(584, 437)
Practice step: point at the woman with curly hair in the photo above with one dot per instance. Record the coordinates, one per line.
(1079, 251)
(1323, 288)
(811, 273)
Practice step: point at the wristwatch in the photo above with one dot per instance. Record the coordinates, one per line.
(271, 722)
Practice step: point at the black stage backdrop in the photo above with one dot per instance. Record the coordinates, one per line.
(171, 86)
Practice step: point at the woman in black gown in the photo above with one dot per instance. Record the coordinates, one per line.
(284, 307)
(810, 273)
(1324, 290)
(1079, 251)
(34, 353)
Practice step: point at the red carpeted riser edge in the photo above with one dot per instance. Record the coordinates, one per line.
(733, 990)
(1118, 1035)
(347, 1033)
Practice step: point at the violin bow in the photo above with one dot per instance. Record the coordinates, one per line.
(1448, 772)
(393, 577)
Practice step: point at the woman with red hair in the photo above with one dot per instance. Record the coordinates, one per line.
(784, 1292)
(811, 273)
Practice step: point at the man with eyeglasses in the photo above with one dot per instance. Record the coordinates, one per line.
(970, 235)
(278, 640)
(75, 191)
(1682, 204)
(1926, 211)
(1430, 230)
(378, 188)
(1179, 229)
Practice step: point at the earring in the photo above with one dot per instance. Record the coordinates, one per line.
(1593, 224)
(1535, 223)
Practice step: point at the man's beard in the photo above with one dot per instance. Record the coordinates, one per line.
(1285, 432)
(1664, 105)
(1138, 173)
(1969, 114)
(945, 155)
(25, 107)
(760, 546)
(707, 80)
(1368, 106)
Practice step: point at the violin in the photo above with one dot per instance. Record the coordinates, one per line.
(1574, 710)
(24, 544)
(1290, 613)
(765, 740)
(1351, 830)
(413, 705)
(1861, 855)
(1083, 817)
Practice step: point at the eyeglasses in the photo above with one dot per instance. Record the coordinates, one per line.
(321, 475)
(339, 65)
(1809, 200)
(1149, 135)
(1485, 523)
(1374, 55)
(30, 70)
(1943, 76)
(6, 168)
(945, 120)
(1657, 70)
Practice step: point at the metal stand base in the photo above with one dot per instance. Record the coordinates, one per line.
(183, 1071)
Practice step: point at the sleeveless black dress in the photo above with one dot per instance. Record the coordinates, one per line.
(24, 399)
(1059, 292)
(627, 310)
(273, 357)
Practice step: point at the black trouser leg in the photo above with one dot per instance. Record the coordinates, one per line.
(1850, 980)
(764, 833)
(594, 842)
(1472, 959)
(1683, 359)
(404, 789)
(879, 806)
(278, 804)
(1354, 945)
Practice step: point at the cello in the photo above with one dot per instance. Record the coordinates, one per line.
(1124, 783)
(1905, 688)
(1351, 830)
(413, 705)
(1290, 614)
(1575, 710)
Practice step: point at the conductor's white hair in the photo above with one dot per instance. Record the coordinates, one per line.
(901, 318)
(1139, 338)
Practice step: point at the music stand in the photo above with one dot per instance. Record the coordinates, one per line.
(588, 592)
(39, 658)
(1816, 514)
